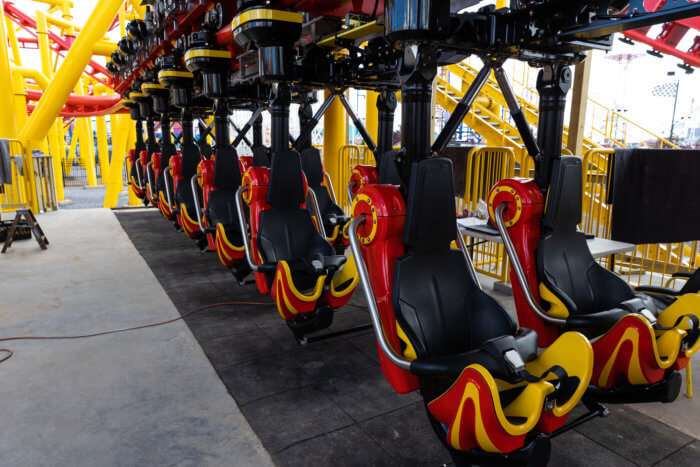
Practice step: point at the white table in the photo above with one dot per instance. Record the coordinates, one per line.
(599, 247)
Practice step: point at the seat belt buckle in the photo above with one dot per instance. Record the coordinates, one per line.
(648, 315)
(514, 360)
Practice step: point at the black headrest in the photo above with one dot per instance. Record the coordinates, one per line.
(388, 173)
(430, 210)
(286, 187)
(227, 173)
(312, 166)
(260, 157)
(564, 198)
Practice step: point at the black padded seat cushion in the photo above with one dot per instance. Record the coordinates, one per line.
(564, 262)
(227, 172)
(437, 303)
(286, 230)
(312, 166)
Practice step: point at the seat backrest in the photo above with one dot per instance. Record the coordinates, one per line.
(313, 170)
(388, 173)
(286, 230)
(438, 305)
(261, 157)
(565, 265)
(227, 172)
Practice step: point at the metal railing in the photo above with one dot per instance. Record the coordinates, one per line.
(16, 194)
(486, 166)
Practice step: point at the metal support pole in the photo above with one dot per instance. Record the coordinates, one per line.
(372, 115)
(417, 71)
(113, 177)
(358, 124)
(257, 132)
(309, 126)
(518, 115)
(251, 122)
(385, 108)
(334, 138)
(579, 105)
(239, 132)
(279, 111)
(461, 110)
(553, 82)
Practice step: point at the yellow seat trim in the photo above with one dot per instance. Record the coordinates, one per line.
(557, 309)
(220, 231)
(312, 296)
(529, 405)
(688, 304)
(410, 352)
(334, 235)
(348, 271)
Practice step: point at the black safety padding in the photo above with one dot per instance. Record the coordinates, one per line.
(565, 196)
(564, 262)
(431, 212)
(312, 166)
(313, 169)
(459, 155)
(205, 148)
(227, 172)
(437, 303)
(221, 209)
(190, 160)
(261, 157)
(656, 196)
(387, 172)
(286, 186)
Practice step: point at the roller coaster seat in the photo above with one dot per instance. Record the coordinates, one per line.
(161, 161)
(144, 159)
(184, 197)
(599, 302)
(485, 387)
(136, 174)
(221, 211)
(334, 219)
(636, 344)
(298, 266)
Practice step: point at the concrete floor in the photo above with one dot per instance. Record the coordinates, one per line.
(142, 397)
(154, 396)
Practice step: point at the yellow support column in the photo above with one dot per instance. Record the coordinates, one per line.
(8, 124)
(87, 150)
(115, 182)
(55, 96)
(47, 70)
(372, 115)
(12, 37)
(133, 199)
(334, 138)
(579, 103)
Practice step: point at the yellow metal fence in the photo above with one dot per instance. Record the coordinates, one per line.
(16, 193)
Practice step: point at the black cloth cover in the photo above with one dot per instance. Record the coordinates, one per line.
(656, 196)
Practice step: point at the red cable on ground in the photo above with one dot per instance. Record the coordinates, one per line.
(9, 352)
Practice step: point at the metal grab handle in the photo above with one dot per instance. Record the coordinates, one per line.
(319, 216)
(329, 183)
(150, 180)
(371, 301)
(518, 269)
(198, 210)
(138, 173)
(167, 187)
(467, 258)
(351, 185)
(244, 228)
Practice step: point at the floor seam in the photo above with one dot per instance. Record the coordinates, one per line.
(680, 448)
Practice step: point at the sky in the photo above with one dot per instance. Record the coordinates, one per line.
(621, 79)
